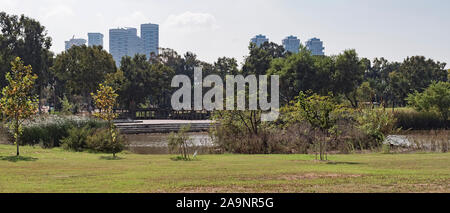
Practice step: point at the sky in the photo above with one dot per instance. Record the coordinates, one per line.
(394, 29)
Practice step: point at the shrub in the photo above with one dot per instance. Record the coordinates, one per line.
(180, 142)
(101, 141)
(76, 140)
(49, 130)
(435, 98)
(376, 123)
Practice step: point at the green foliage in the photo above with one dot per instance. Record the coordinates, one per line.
(348, 75)
(302, 72)
(79, 70)
(138, 74)
(76, 139)
(49, 131)
(411, 119)
(435, 98)
(180, 142)
(321, 113)
(101, 141)
(17, 102)
(376, 123)
(24, 37)
(259, 59)
(67, 107)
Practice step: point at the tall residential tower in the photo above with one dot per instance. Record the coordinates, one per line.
(259, 40)
(291, 44)
(315, 45)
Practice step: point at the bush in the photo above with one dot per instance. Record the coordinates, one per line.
(101, 141)
(376, 123)
(76, 140)
(49, 130)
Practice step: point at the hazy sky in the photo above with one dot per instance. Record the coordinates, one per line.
(394, 29)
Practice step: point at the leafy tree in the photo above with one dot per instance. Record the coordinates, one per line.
(105, 100)
(226, 66)
(26, 38)
(421, 72)
(320, 113)
(435, 97)
(349, 75)
(17, 102)
(302, 72)
(80, 69)
(259, 59)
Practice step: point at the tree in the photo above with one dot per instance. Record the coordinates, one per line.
(80, 69)
(26, 38)
(421, 72)
(435, 97)
(17, 102)
(349, 75)
(105, 100)
(302, 72)
(259, 59)
(180, 141)
(319, 112)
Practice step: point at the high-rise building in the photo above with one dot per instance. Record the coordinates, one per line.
(118, 43)
(150, 38)
(126, 42)
(315, 45)
(259, 40)
(74, 42)
(134, 43)
(95, 39)
(291, 44)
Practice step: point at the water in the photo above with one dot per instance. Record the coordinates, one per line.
(156, 143)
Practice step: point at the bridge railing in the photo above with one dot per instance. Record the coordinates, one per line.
(149, 114)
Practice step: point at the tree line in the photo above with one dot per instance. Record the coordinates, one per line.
(145, 82)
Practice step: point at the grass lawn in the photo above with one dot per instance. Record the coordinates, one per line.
(55, 170)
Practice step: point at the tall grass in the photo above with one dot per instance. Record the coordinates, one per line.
(48, 130)
(411, 119)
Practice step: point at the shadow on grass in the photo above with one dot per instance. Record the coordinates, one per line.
(110, 158)
(17, 158)
(343, 163)
(179, 158)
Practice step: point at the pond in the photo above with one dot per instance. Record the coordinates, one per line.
(156, 143)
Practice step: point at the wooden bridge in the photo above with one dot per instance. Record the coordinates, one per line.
(162, 126)
(163, 114)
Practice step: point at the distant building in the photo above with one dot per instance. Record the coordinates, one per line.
(118, 43)
(74, 42)
(291, 44)
(95, 39)
(315, 45)
(126, 42)
(259, 40)
(150, 38)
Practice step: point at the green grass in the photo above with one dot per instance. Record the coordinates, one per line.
(56, 170)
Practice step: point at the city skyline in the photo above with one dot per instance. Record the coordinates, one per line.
(394, 30)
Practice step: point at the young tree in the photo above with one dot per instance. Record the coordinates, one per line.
(319, 112)
(17, 102)
(105, 100)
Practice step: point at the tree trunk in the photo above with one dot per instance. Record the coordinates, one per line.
(17, 137)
